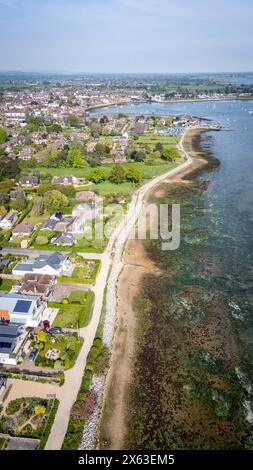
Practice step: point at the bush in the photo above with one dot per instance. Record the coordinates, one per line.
(94, 352)
(73, 344)
(98, 342)
(89, 367)
(57, 364)
(65, 301)
(40, 410)
(67, 363)
(14, 406)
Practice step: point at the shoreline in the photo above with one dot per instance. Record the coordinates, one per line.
(135, 265)
(196, 100)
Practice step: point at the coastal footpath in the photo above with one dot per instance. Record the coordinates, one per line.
(111, 265)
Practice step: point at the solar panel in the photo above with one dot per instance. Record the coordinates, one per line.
(22, 306)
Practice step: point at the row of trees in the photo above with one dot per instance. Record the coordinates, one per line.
(118, 174)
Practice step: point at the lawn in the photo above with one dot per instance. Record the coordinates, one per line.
(67, 346)
(7, 284)
(85, 271)
(83, 172)
(78, 313)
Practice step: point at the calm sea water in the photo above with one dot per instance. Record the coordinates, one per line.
(227, 215)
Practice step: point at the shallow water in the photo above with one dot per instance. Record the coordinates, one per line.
(211, 272)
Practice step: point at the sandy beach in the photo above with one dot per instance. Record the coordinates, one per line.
(136, 264)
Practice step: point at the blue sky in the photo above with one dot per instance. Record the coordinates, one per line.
(126, 35)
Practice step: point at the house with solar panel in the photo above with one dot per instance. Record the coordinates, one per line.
(55, 264)
(23, 309)
(17, 314)
(13, 337)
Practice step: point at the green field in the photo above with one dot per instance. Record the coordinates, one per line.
(78, 313)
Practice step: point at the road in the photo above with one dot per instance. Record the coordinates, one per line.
(111, 258)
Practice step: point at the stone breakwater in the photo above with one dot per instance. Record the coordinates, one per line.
(90, 428)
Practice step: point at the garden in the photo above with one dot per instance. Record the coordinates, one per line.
(85, 271)
(76, 311)
(58, 352)
(29, 417)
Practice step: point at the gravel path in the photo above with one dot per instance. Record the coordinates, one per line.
(90, 428)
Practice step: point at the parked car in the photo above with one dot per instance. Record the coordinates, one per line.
(2, 382)
(33, 354)
(56, 330)
(46, 324)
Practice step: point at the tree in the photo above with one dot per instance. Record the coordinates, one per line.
(3, 135)
(37, 208)
(95, 129)
(19, 203)
(40, 410)
(105, 131)
(10, 167)
(73, 121)
(133, 174)
(6, 186)
(97, 175)
(118, 174)
(169, 155)
(42, 336)
(138, 156)
(100, 148)
(3, 211)
(75, 158)
(54, 200)
(52, 160)
(159, 146)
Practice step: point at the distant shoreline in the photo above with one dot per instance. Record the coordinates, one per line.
(195, 100)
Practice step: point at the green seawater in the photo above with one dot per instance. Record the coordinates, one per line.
(193, 379)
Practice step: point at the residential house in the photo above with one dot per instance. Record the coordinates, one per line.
(37, 284)
(50, 223)
(63, 239)
(25, 310)
(29, 181)
(8, 220)
(13, 337)
(25, 153)
(84, 196)
(23, 229)
(65, 180)
(65, 224)
(17, 192)
(55, 264)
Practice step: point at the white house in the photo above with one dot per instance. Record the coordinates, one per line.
(55, 264)
(8, 220)
(26, 310)
(13, 337)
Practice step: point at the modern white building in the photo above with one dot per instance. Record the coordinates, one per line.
(18, 313)
(26, 310)
(55, 264)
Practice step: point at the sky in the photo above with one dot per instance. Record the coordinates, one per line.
(126, 36)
